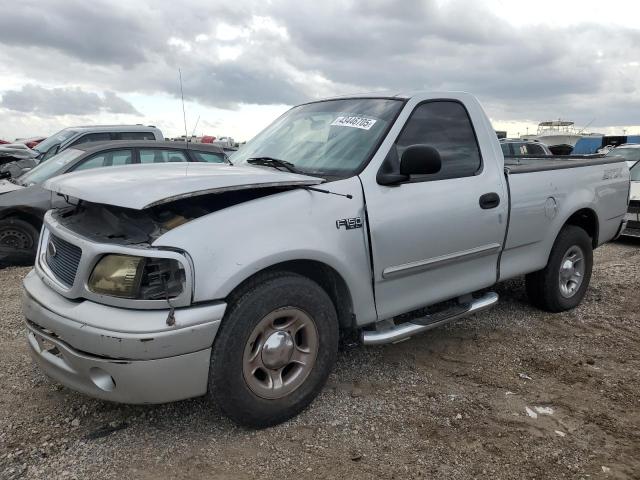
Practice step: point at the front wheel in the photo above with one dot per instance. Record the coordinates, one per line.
(562, 284)
(275, 349)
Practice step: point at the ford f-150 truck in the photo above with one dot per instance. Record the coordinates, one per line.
(345, 216)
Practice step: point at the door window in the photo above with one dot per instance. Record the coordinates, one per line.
(135, 136)
(519, 148)
(93, 137)
(444, 125)
(157, 155)
(535, 149)
(111, 158)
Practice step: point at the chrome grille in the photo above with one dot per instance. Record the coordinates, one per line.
(63, 259)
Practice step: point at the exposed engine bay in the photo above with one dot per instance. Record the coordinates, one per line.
(124, 226)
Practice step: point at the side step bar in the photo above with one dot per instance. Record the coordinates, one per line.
(403, 331)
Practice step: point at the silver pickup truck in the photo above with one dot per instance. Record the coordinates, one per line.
(345, 216)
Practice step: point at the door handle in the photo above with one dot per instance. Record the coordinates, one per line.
(489, 200)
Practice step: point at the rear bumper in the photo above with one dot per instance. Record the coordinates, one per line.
(149, 363)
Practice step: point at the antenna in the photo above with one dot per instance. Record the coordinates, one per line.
(195, 126)
(184, 114)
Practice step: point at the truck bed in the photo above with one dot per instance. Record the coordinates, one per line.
(552, 190)
(527, 164)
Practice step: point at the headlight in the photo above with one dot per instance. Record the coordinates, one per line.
(137, 278)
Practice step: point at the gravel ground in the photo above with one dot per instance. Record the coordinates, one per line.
(510, 393)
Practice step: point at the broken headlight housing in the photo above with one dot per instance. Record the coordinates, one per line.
(138, 278)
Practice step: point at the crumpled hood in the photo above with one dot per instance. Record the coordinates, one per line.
(6, 186)
(143, 186)
(18, 150)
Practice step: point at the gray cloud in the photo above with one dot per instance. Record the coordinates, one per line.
(286, 52)
(96, 32)
(63, 101)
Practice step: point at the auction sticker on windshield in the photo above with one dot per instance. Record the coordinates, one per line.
(354, 122)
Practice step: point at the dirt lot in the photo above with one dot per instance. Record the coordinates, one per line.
(459, 402)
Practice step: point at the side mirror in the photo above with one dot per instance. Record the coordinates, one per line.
(420, 160)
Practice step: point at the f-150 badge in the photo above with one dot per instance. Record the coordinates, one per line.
(349, 223)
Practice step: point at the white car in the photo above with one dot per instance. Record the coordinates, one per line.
(629, 151)
(633, 215)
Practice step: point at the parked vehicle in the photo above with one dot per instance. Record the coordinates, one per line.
(633, 214)
(594, 143)
(23, 201)
(512, 147)
(628, 151)
(344, 216)
(18, 158)
(10, 152)
(31, 142)
(225, 142)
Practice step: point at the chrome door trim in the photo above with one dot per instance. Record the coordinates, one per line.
(436, 262)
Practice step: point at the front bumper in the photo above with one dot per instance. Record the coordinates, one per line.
(149, 363)
(125, 381)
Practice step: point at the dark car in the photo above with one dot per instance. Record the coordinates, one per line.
(23, 201)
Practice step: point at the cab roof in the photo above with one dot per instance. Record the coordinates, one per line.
(109, 128)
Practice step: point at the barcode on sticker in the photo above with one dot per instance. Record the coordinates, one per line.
(355, 122)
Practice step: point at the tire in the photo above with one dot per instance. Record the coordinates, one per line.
(18, 240)
(250, 377)
(555, 288)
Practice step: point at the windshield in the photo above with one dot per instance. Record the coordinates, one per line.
(54, 139)
(330, 138)
(635, 173)
(50, 168)
(629, 154)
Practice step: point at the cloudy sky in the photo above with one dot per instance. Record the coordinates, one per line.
(70, 62)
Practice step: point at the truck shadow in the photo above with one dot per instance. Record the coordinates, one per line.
(630, 241)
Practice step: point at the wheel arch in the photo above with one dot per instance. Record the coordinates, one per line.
(326, 277)
(26, 215)
(587, 219)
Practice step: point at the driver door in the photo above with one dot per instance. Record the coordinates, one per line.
(433, 236)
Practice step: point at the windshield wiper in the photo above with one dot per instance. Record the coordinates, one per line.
(275, 163)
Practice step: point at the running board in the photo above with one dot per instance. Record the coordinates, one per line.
(403, 331)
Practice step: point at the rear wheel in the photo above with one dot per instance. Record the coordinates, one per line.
(275, 349)
(18, 240)
(562, 284)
